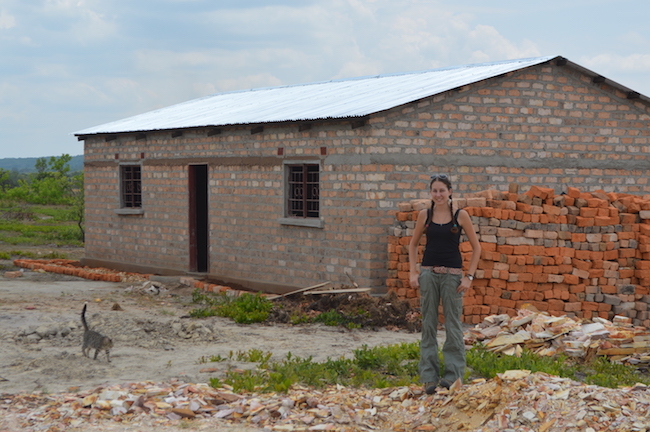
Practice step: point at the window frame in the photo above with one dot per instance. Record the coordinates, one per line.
(123, 209)
(289, 219)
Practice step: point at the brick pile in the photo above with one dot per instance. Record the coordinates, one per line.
(582, 254)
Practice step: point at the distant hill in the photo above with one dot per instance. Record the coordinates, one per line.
(27, 165)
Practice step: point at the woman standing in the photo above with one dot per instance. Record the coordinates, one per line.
(441, 278)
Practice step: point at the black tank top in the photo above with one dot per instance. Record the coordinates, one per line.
(442, 248)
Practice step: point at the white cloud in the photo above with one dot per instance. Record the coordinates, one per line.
(82, 21)
(490, 45)
(617, 62)
(6, 21)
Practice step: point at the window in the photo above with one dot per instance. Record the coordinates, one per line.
(302, 194)
(303, 191)
(131, 186)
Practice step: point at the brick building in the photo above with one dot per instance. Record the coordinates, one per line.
(291, 186)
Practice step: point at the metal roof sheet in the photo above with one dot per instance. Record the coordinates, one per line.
(343, 98)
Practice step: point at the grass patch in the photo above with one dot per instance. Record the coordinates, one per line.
(31, 225)
(397, 365)
(334, 318)
(245, 309)
(378, 367)
(600, 371)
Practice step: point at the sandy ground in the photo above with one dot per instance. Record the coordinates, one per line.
(146, 345)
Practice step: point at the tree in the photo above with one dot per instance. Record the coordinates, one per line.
(4, 179)
(51, 184)
(78, 209)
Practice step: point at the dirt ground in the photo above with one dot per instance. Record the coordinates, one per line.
(154, 338)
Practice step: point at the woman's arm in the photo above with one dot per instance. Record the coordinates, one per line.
(413, 249)
(466, 222)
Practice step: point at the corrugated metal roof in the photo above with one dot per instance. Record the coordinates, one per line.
(344, 98)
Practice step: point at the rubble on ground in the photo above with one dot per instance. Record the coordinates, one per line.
(513, 401)
(548, 335)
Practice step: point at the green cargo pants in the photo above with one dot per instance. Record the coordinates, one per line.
(435, 287)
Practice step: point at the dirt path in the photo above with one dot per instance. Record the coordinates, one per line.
(154, 339)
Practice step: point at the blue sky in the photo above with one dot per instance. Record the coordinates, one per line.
(67, 65)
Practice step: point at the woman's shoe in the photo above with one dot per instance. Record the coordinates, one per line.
(430, 387)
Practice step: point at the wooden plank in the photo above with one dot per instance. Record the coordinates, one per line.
(298, 291)
(339, 291)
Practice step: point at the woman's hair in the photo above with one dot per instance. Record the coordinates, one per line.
(443, 178)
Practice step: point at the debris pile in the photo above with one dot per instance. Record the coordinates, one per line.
(548, 335)
(515, 400)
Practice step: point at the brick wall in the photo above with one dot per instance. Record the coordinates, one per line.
(581, 254)
(545, 125)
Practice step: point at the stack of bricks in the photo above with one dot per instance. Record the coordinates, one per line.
(579, 254)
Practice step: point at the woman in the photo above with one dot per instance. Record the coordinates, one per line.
(441, 278)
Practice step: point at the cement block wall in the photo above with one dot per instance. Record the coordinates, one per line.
(546, 125)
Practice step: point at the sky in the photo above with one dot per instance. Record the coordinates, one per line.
(67, 65)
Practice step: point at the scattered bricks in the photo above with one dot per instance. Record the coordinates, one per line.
(642, 265)
(608, 289)
(567, 252)
(404, 207)
(580, 202)
(584, 222)
(577, 289)
(573, 192)
(523, 207)
(626, 289)
(580, 264)
(604, 307)
(626, 253)
(597, 203)
(588, 212)
(534, 233)
(642, 274)
(571, 279)
(582, 274)
(626, 273)
(594, 238)
(553, 210)
(420, 204)
(624, 308)
(612, 300)
(628, 218)
(404, 216)
(604, 221)
(572, 306)
(476, 202)
(602, 212)
(577, 250)
(644, 229)
(540, 192)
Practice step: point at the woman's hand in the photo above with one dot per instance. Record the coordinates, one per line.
(414, 280)
(465, 284)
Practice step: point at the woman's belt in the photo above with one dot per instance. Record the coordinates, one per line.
(443, 270)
